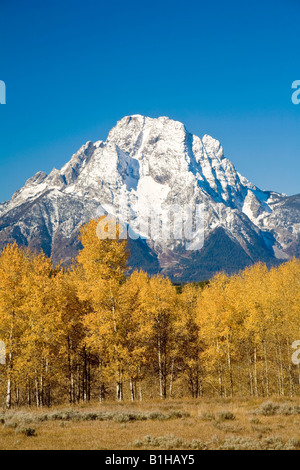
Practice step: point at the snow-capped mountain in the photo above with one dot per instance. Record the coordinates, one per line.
(156, 163)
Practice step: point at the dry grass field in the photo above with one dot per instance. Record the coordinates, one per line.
(238, 424)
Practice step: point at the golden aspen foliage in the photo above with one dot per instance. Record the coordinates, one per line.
(190, 343)
(92, 331)
(159, 315)
(14, 269)
(100, 270)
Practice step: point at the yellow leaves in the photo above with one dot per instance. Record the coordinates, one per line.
(98, 275)
(100, 258)
(62, 325)
(248, 317)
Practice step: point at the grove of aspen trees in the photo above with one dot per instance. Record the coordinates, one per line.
(94, 332)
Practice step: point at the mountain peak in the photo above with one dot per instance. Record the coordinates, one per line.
(154, 163)
(214, 145)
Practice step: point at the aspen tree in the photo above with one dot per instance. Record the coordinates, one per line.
(159, 314)
(100, 272)
(131, 329)
(191, 343)
(13, 270)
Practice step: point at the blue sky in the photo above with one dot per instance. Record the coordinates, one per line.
(73, 68)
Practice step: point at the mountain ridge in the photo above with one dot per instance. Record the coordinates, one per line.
(158, 163)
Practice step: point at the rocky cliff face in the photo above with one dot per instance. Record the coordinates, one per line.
(156, 165)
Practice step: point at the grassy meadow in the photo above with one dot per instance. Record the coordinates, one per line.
(204, 424)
